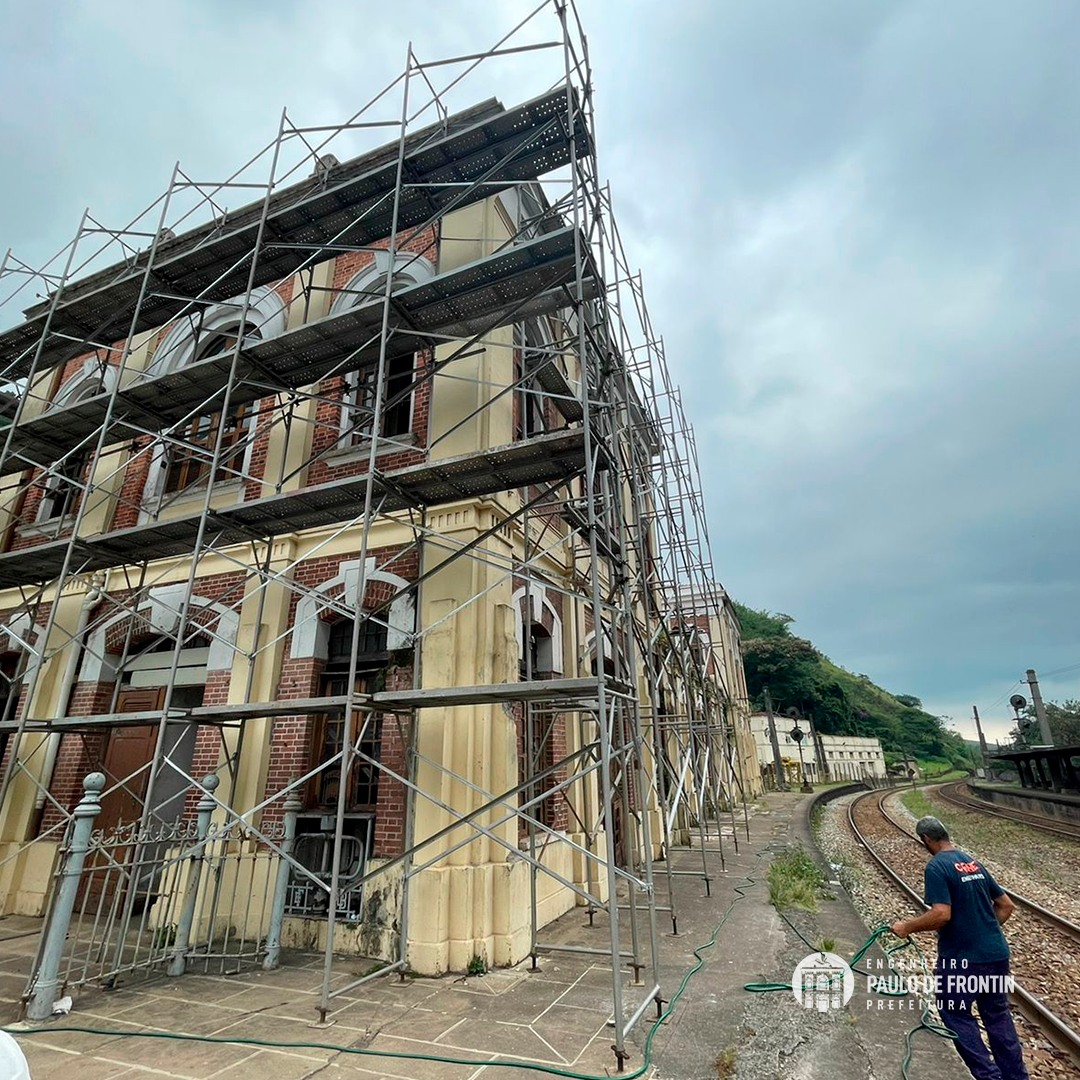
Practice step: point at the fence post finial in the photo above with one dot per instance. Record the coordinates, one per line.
(40, 1004)
(196, 859)
(293, 805)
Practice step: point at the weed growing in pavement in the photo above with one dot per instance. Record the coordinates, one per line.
(165, 935)
(477, 966)
(371, 969)
(795, 880)
(826, 944)
(725, 1064)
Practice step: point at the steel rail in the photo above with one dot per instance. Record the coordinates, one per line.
(951, 793)
(1058, 922)
(1056, 1031)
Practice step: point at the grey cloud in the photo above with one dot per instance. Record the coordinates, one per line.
(859, 229)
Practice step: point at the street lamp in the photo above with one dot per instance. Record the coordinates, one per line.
(798, 735)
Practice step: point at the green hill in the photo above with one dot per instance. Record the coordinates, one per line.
(838, 702)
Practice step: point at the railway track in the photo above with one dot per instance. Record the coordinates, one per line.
(958, 794)
(1038, 1011)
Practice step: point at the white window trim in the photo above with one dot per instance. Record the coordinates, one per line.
(409, 269)
(161, 612)
(538, 602)
(266, 313)
(311, 634)
(91, 381)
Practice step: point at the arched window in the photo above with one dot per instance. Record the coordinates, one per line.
(63, 481)
(186, 464)
(536, 660)
(185, 460)
(330, 731)
(539, 634)
(368, 286)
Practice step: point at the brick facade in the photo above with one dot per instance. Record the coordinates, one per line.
(22, 533)
(80, 754)
(292, 753)
(548, 743)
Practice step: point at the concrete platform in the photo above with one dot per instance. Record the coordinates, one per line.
(557, 1017)
(1061, 807)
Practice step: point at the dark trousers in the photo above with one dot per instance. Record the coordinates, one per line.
(1004, 1060)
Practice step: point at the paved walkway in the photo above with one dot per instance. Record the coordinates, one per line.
(558, 1016)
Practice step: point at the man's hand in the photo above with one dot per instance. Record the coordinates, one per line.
(1003, 908)
(934, 919)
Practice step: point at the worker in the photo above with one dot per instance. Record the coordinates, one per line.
(12, 1063)
(967, 909)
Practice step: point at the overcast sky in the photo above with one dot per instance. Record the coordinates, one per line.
(859, 230)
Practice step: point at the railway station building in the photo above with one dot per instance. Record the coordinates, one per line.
(346, 545)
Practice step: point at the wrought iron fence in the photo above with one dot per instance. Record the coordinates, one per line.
(170, 897)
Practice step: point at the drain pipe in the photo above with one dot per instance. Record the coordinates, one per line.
(67, 684)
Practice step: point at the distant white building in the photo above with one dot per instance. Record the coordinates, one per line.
(846, 757)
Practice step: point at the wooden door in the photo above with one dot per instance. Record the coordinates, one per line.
(129, 748)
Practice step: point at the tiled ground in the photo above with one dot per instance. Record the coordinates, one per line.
(558, 1017)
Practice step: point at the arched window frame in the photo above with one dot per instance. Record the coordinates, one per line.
(186, 343)
(358, 392)
(531, 604)
(530, 403)
(64, 480)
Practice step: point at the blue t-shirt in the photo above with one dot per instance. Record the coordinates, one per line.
(972, 933)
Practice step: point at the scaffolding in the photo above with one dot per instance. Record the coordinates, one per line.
(180, 453)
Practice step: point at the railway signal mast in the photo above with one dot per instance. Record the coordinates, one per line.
(982, 741)
(1040, 708)
(1024, 724)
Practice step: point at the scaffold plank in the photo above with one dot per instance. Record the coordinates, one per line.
(562, 692)
(460, 303)
(543, 459)
(558, 693)
(551, 377)
(203, 714)
(306, 221)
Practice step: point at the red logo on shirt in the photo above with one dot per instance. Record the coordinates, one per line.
(967, 867)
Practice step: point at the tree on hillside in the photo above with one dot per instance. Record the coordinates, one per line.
(762, 624)
(788, 666)
(1064, 721)
(833, 713)
(910, 700)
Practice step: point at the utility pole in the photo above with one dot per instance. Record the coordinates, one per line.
(1040, 708)
(982, 741)
(778, 763)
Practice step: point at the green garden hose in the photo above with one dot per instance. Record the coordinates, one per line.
(271, 1044)
(699, 962)
(925, 1022)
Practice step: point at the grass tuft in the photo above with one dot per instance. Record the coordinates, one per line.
(725, 1064)
(917, 803)
(795, 881)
